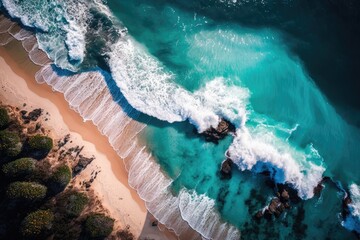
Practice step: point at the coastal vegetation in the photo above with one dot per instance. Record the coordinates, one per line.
(27, 191)
(98, 225)
(4, 118)
(60, 178)
(10, 144)
(39, 146)
(38, 195)
(19, 168)
(37, 224)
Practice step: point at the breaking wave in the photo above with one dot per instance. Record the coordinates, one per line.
(352, 222)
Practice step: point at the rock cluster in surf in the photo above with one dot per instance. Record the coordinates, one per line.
(220, 132)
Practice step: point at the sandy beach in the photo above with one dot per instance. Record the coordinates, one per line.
(18, 87)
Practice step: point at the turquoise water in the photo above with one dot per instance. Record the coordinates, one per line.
(248, 62)
(284, 101)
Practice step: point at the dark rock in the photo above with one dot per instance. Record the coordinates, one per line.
(345, 206)
(267, 214)
(218, 133)
(318, 189)
(320, 186)
(275, 207)
(38, 126)
(226, 168)
(87, 184)
(284, 197)
(35, 114)
(266, 173)
(293, 195)
(259, 214)
(82, 164)
(64, 141)
(154, 223)
(31, 116)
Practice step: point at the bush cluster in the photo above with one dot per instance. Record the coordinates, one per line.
(4, 118)
(39, 146)
(29, 191)
(72, 203)
(19, 168)
(21, 193)
(98, 226)
(60, 178)
(37, 224)
(10, 144)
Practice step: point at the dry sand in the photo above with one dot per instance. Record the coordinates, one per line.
(18, 86)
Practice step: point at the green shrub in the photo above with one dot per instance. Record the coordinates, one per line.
(29, 191)
(10, 144)
(39, 146)
(60, 178)
(72, 203)
(37, 224)
(4, 118)
(125, 234)
(19, 168)
(98, 226)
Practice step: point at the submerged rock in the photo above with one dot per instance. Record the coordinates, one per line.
(320, 186)
(345, 206)
(226, 168)
(284, 196)
(220, 132)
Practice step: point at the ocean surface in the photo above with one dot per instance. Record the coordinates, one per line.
(284, 73)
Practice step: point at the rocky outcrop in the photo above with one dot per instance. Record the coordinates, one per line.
(82, 164)
(276, 206)
(31, 116)
(220, 132)
(226, 167)
(318, 189)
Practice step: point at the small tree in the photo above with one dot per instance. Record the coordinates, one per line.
(39, 146)
(10, 144)
(98, 226)
(19, 168)
(60, 178)
(37, 224)
(4, 118)
(26, 191)
(71, 203)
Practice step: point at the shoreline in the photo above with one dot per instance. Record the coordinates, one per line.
(19, 86)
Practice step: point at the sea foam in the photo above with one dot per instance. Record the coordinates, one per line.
(352, 221)
(61, 32)
(150, 88)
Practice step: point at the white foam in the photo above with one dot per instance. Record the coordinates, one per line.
(151, 89)
(76, 29)
(209, 224)
(69, 17)
(260, 151)
(352, 222)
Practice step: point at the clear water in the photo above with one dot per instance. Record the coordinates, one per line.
(245, 61)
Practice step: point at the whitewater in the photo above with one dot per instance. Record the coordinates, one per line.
(146, 86)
